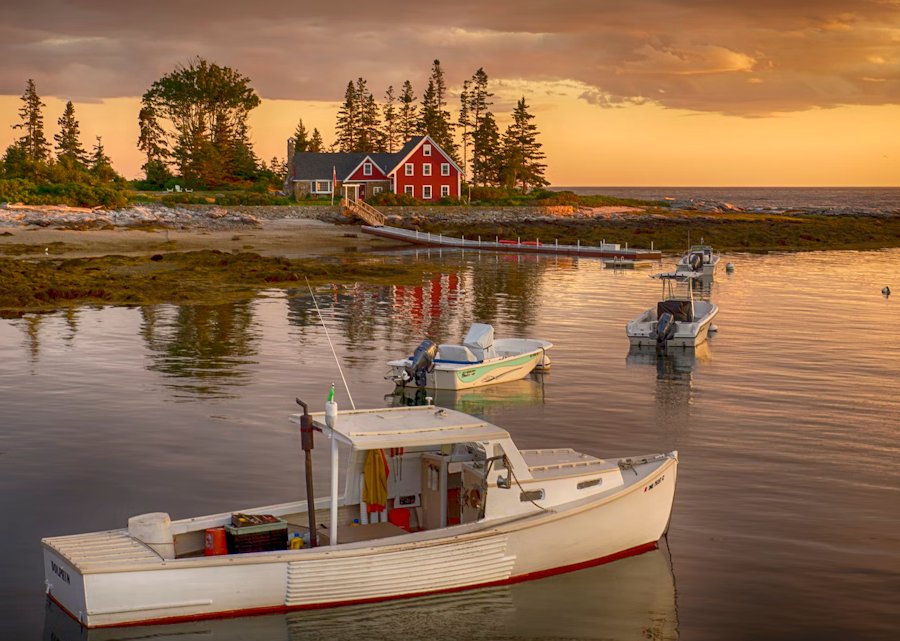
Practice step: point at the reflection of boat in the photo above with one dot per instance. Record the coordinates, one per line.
(479, 512)
(678, 320)
(631, 599)
(699, 259)
(480, 360)
(475, 400)
(678, 361)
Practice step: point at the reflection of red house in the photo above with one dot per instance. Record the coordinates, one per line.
(421, 169)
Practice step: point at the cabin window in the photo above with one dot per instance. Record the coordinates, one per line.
(426, 169)
(426, 150)
(445, 191)
(586, 484)
(323, 186)
(445, 169)
(408, 190)
(531, 495)
(408, 169)
(426, 192)
(367, 169)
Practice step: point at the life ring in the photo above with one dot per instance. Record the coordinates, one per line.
(473, 498)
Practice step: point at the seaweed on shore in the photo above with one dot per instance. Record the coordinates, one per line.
(191, 277)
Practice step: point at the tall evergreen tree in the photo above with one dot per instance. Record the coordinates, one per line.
(33, 142)
(478, 101)
(152, 141)
(315, 142)
(408, 114)
(370, 134)
(301, 138)
(348, 121)
(69, 151)
(464, 123)
(487, 159)
(391, 120)
(522, 151)
(434, 119)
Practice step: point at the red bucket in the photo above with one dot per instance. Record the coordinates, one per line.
(216, 543)
(400, 517)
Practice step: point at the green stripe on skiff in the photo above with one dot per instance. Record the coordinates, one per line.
(470, 375)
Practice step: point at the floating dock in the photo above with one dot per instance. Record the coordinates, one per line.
(606, 250)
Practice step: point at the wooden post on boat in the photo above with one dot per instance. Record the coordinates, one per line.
(306, 442)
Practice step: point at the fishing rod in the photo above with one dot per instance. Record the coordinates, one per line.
(325, 327)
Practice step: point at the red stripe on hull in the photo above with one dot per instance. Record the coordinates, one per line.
(277, 609)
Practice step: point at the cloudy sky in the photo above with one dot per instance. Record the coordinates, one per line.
(626, 92)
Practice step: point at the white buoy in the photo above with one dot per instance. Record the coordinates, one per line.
(886, 290)
(713, 328)
(729, 267)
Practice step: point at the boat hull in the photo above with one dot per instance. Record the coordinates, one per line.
(642, 331)
(469, 375)
(588, 532)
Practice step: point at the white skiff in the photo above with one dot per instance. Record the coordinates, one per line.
(480, 512)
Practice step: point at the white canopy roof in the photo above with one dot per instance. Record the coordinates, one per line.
(407, 427)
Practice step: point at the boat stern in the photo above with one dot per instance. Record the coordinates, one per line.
(64, 584)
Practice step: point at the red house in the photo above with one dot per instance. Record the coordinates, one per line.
(420, 169)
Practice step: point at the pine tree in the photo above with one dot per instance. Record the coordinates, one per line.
(315, 143)
(301, 138)
(408, 115)
(33, 142)
(487, 159)
(101, 166)
(391, 122)
(152, 141)
(522, 151)
(434, 119)
(347, 125)
(478, 103)
(69, 151)
(370, 135)
(464, 123)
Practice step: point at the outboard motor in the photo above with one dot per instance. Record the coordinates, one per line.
(422, 363)
(695, 260)
(665, 327)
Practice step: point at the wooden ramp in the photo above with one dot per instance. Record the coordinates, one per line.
(362, 210)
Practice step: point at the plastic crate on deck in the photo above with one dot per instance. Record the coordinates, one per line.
(261, 537)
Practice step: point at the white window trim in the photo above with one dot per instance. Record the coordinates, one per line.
(426, 169)
(319, 183)
(409, 190)
(445, 191)
(367, 169)
(377, 190)
(409, 169)
(426, 195)
(445, 169)
(426, 150)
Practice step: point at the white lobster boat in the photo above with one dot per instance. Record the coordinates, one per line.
(480, 360)
(481, 513)
(677, 320)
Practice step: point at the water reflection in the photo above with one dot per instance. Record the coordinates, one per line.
(673, 391)
(201, 349)
(480, 400)
(631, 599)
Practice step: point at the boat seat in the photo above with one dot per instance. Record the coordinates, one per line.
(455, 354)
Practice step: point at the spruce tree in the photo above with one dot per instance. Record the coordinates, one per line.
(347, 126)
(101, 166)
(152, 141)
(478, 101)
(391, 122)
(465, 124)
(33, 142)
(301, 138)
(315, 142)
(434, 119)
(69, 151)
(522, 151)
(408, 115)
(487, 159)
(370, 135)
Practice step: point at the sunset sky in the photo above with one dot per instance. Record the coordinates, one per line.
(625, 92)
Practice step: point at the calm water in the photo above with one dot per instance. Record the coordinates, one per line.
(844, 199)
(787, 516)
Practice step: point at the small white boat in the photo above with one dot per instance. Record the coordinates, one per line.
(472, 510)
(480, 360)
(677, 320)
(701, 259)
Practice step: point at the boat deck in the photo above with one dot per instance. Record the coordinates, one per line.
(554, 463)
(103, 551)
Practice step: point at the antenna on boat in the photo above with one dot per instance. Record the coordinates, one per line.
(325, 327)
